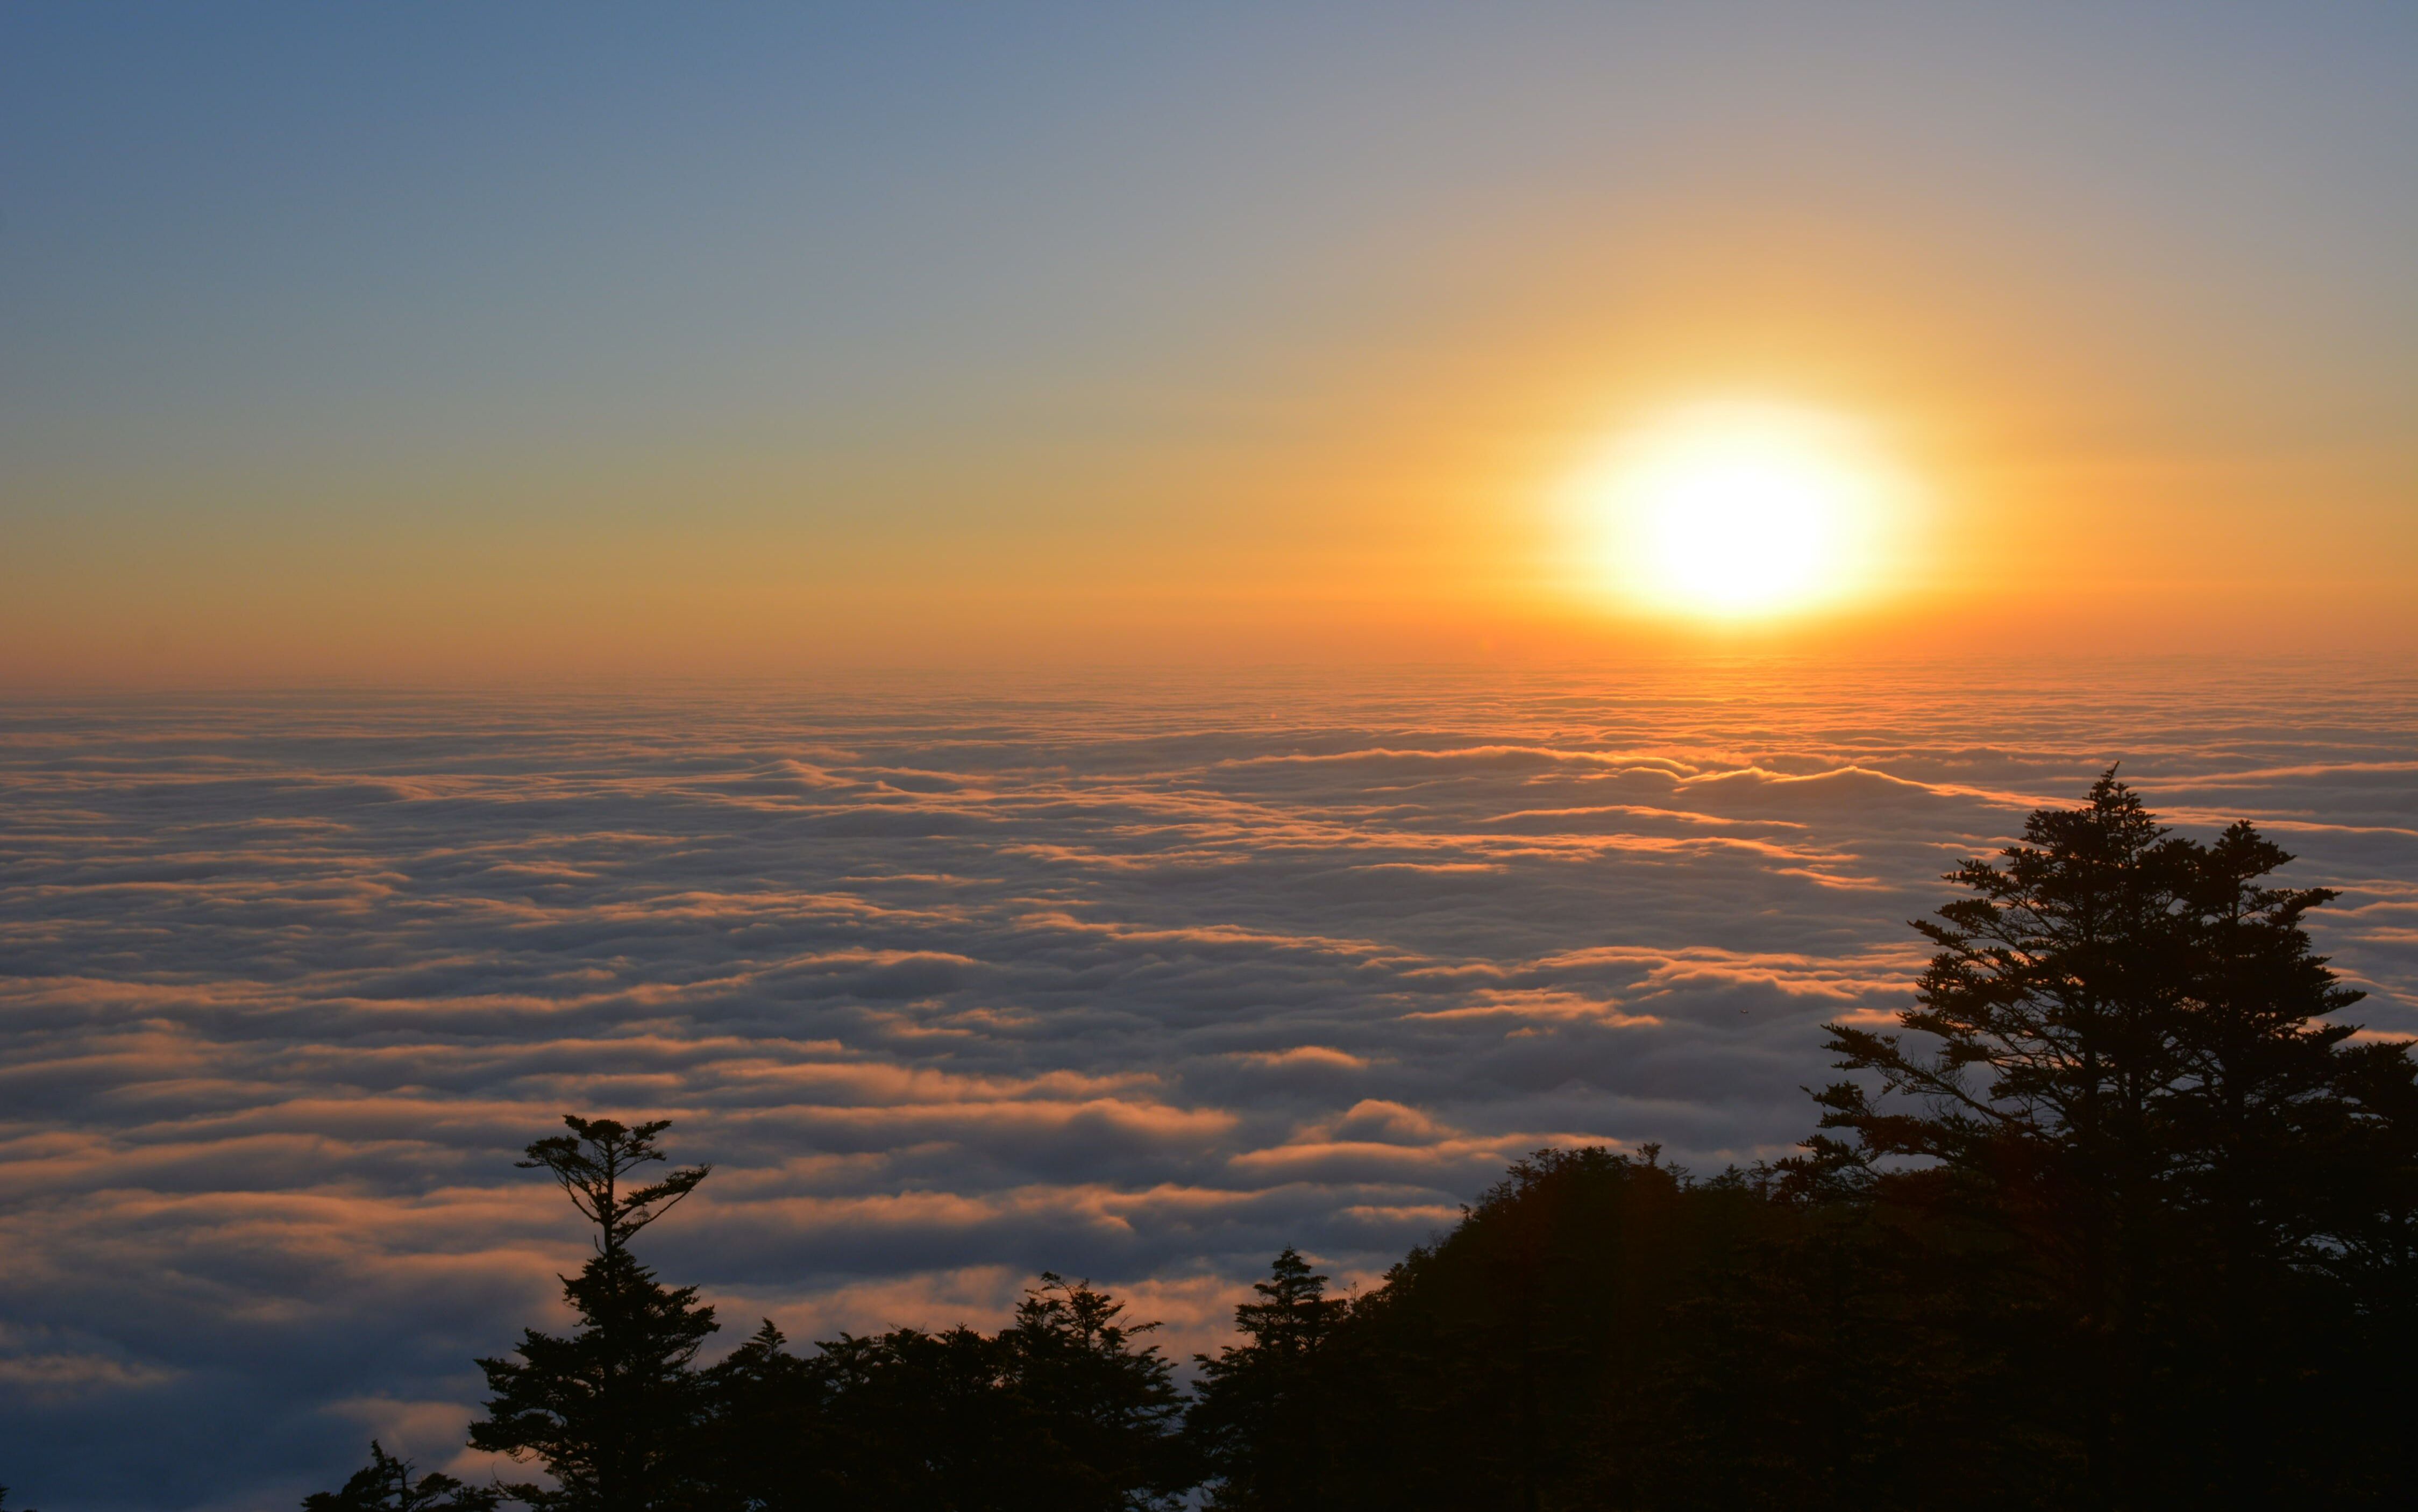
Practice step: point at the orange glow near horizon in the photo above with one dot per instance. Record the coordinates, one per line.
(1738, 511)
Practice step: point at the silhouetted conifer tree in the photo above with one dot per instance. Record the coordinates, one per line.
(764, 1444)
(1107, 1402)
(1494, 1369)
(932, 1420)
(611, 1409)
(1255, 1416)
(386, 1485)
(2127, 1069)
(1064, 1409)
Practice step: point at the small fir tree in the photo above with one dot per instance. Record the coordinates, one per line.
(610, 1410)
(386, 1484)
(1255, 1416)
(1107, 1402)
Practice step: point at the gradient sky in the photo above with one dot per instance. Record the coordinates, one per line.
(452, 343)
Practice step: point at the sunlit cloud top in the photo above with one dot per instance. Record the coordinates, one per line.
(1139, 993)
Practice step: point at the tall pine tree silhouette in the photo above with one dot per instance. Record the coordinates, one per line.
(609, 1410)
(1256, 1413)
(2126, 1066)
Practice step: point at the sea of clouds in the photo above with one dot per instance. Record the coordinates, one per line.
(1133, 981)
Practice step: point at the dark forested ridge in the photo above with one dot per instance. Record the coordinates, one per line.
(2119, 1218)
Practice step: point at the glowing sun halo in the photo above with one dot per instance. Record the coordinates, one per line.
(1741, 512)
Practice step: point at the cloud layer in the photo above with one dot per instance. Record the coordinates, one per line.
(950, 988)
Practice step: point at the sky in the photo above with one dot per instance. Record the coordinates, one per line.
(453, 345)
(1138, 985)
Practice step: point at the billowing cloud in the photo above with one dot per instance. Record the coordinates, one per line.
(950, 990)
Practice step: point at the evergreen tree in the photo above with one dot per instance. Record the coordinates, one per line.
(610, 1410)
(1256, 1418)
(1064, 1411)
(1504, 1365)
(917, 1420)
(1107, 1403)
(386, 1485)
(2291, 1158)
(764, 1442)
(2129, 1073)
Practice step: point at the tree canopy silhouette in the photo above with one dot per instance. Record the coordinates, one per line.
(1064, 1409)
(2117, 1215)
(610, 1410)
(2127, 1068)
(593, 1162)
(386, 1485)
(1262, 1438)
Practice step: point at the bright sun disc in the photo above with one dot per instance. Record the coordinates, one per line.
(1740, 512)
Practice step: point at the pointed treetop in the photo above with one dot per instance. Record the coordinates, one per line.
(592, 1163)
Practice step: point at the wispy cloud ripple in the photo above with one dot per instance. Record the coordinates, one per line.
(954, 988)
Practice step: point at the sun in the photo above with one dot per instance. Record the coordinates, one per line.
(1741, 512)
